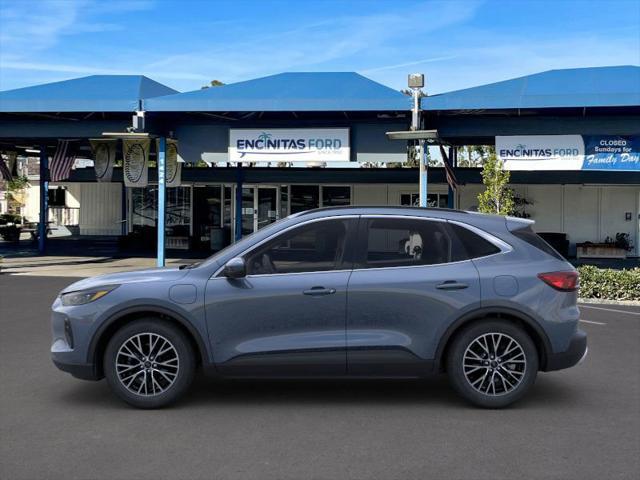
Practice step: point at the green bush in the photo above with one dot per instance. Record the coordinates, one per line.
(609, 284)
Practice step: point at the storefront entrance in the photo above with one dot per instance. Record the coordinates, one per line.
(260, 207)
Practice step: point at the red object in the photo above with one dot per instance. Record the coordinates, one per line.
(563, 281)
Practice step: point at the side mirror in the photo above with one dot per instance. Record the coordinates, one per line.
(235, 268)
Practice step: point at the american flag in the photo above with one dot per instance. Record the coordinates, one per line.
(448, 170)
(62, 161)
(5, 172)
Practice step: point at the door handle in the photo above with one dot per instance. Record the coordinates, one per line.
(451, 285)
(319, 291)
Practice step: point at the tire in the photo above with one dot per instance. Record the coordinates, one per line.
(492, 382)
(135, 374)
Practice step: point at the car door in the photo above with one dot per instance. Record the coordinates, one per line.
(287, 316)
(407, 287)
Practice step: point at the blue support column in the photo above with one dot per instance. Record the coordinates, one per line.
(423, 173)
(239, 180)
(450, 191)
(44, 200)
(162, 200)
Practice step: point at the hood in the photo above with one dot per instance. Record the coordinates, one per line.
(136, 276)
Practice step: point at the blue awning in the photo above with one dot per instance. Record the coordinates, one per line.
(96, 93)
(288, 92)
(577, 87)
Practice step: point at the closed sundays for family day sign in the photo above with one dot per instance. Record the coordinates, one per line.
(569, 152)
(289, 145)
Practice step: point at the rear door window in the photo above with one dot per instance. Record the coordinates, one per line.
(403, 242)
(469, 244)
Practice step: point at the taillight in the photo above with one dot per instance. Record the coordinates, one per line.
(563, 281)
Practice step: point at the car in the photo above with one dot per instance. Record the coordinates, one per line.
(342, 292)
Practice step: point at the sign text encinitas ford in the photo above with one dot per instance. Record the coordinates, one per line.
(289, 145)
(541, 152)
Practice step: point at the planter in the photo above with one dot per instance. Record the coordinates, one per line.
(599, 250)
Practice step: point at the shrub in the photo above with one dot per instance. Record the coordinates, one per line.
(609, 284)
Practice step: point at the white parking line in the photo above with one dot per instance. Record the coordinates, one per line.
(591, 321)
(610, 310)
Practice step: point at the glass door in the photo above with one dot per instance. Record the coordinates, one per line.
(267, 206)
(260, 207)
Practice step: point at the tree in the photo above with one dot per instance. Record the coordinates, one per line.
(497, 197)
(213, 83)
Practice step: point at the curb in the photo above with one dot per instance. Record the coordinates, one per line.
(602, 301)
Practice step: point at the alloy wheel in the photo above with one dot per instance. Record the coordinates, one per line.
(147, 364)
(494, 364)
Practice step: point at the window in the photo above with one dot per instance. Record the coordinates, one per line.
(439, 200)
(315, 247)
(470, 245)
(532, 238)
(57, 197)
(335, 196)
(399, 242)
(144, 208)
(304, 197)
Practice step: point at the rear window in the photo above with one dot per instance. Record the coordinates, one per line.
(471, 245)
(532, 238)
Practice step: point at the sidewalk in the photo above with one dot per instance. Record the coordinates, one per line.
(72, 266)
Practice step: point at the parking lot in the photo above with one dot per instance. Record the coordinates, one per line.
(582, 423)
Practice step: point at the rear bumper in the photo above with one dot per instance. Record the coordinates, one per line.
(573, 355)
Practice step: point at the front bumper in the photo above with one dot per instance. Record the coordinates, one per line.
(82, 371)
(576, 352)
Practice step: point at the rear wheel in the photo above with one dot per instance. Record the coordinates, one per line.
(492, 363)
(149, 363)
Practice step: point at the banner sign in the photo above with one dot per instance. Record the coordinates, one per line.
(610, 152)
(289, 145)
(104, 157)
(541, 152)
(136, 162)
(569, 152)
(173, 165)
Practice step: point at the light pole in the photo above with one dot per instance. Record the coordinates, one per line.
(416, 83)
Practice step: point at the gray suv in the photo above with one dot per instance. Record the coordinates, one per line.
(352, 292)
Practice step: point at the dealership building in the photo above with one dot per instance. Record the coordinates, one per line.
(249, 153)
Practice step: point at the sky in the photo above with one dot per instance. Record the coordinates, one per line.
(185, 44)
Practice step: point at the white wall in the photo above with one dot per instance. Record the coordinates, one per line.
(587, 213)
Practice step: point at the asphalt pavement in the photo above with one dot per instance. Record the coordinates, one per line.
(581, 423)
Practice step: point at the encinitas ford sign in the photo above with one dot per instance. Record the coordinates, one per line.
(541, 152)
(569, 152)
(289, 145)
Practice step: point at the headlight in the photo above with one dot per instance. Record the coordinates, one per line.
(82, 297)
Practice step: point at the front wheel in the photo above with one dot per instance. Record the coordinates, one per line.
(492, 363)
(149, 363)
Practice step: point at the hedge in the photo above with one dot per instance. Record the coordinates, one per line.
(609, 284)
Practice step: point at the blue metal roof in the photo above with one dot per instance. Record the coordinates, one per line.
(96, 93)
(288, 92)
(576, 87)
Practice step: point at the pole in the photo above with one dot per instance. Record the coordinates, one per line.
(44, 200)
(238, 224)
(450, 191)
(162, 201)
(422, 156)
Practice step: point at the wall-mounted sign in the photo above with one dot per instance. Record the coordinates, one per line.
(610, 152)
(289, 145)
(104, 157)
(136, 162)
(569, 152)
(541, 152)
